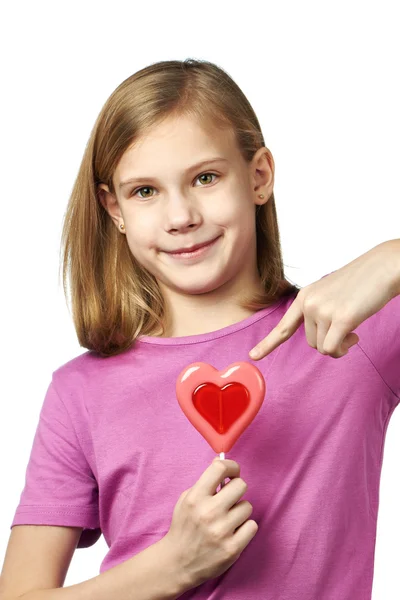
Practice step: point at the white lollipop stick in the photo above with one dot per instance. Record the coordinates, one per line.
(222, 457)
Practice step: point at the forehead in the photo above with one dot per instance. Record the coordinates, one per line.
(176, 143)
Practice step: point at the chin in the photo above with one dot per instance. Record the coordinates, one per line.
(199, 287)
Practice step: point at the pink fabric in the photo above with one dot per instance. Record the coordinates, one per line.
(113, 451)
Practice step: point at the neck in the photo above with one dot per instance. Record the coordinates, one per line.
(194, 314)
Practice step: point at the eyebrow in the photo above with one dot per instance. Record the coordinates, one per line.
(192, 168)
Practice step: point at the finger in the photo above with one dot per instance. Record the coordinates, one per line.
(286, 327)
(350, 340)
(338, 340)
(322, 331)
(310, 328)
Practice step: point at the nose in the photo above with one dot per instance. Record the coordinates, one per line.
(181, 213)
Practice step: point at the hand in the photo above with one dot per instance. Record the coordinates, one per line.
(339, 302)
(210, 530)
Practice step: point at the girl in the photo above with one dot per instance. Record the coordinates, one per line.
(163, 274)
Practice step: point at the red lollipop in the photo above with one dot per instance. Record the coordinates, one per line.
(220, 404)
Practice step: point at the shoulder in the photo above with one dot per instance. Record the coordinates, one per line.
(82, 368)
(73, 380)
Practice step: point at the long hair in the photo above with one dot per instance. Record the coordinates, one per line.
(114, 298)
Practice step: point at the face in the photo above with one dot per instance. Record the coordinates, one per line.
(172, 204)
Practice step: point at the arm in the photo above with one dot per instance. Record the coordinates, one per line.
(394, 246)
(153, 574)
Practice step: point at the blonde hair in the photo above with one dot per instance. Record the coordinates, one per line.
(114, 298)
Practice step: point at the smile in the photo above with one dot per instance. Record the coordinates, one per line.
(199, 253)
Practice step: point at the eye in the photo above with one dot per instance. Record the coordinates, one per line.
(148, 187)
(205, 174)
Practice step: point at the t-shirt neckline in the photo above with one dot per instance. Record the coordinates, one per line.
(204, 337)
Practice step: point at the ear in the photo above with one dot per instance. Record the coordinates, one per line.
(263, 172)
(110, 204)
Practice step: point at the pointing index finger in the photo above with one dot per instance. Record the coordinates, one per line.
(286, 327)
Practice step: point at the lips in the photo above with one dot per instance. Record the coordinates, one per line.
(192, 249)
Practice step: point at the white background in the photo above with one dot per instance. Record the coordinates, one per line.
(323, 78)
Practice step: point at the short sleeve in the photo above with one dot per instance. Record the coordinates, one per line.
(60, 488)
(379, 338)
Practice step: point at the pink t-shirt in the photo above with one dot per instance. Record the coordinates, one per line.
(113, 451)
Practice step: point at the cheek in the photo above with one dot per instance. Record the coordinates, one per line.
(235, 203)
(141, 230)
(139, 248)
(236, 213)
(227, 212)
(139, 241)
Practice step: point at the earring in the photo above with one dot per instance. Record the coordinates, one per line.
(122, 226)
(261, 196)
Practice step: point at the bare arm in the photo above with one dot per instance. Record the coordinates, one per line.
(152, 574)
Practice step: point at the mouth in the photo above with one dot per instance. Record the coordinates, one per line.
(195, 253)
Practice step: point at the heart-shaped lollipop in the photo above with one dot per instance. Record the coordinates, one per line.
(220, 404)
